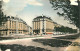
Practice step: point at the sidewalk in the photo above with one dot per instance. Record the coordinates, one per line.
(75, 46)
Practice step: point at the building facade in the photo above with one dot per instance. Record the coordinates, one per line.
(43, 25)
(14, 25)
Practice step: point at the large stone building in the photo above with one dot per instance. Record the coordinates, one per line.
(14, 25)
(43, 25)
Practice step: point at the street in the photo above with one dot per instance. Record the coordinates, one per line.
(62, 43)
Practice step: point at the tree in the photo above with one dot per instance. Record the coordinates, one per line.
(70, 12)
(2, 16)
(65, 29)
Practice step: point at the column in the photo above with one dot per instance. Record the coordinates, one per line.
(16, 26)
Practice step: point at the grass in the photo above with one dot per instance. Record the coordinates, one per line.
(16, 47)
(11, 38)
(5, 38)
(53, 42)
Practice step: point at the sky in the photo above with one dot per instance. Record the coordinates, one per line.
(29, 9)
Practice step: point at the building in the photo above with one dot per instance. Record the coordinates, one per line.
(14, 25)
(43, 25)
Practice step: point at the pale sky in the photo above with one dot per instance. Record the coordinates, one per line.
(29, 9)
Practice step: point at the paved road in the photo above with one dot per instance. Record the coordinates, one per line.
(75, 46)
(39, 43)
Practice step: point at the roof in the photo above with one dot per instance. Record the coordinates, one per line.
(16, 18)
(43, 17)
